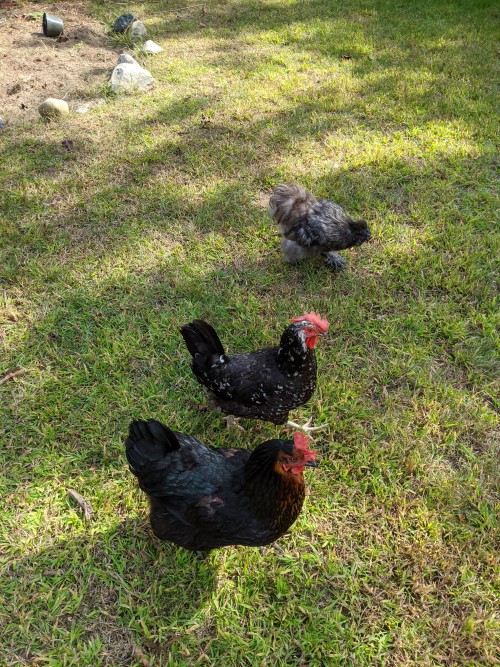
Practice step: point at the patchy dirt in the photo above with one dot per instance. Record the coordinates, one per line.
(34, 67)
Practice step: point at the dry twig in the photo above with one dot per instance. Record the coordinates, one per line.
(140, 655)
(12, 374)
(84, 505)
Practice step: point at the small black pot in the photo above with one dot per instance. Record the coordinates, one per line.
(52, 26)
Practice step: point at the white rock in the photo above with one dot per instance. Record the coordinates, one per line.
(131, 77)
(53, 108)
(87, 106)
(151, 47)
(125, 58)
(138, 31)
(83, 108)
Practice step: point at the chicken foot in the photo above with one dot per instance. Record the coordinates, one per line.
(334, 261)
(231, 420)
(274, 545)
(307, 428)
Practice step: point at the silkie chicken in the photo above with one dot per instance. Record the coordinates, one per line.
(314, 227)
(202, 498)
(265, 384)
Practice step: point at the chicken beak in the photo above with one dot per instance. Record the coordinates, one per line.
(321, 333)
(310, 464)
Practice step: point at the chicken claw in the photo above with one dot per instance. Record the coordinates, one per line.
(231, 420)
(307, 428)
(335, 261)
(276, 546)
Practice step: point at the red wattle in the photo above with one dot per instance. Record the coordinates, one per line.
(311, 342)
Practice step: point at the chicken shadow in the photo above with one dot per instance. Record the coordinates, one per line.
(103, 582)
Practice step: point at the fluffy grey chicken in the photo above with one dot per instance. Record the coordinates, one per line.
(314, 227)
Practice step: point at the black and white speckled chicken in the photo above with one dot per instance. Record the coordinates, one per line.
(314, 227)
(202, 498)
(265, 384)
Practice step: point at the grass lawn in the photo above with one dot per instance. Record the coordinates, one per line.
(157, 216)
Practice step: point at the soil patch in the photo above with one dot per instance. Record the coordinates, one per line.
(34, 67)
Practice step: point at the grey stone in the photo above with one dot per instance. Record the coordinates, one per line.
(53, 108)
(125, 58)
(151, 47)
(130, 78)
(123, 22)
(138, 31)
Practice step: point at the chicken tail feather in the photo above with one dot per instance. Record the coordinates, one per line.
(147, 444)
(201, 338)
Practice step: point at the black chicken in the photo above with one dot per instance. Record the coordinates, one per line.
(314, 227)
(202, 498)
(265, 384)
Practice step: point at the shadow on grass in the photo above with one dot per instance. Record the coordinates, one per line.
(251, 15)
(154, 190)
(105, 331)
(105, 352)
(138, 243)
(205, 176)
(107, 593)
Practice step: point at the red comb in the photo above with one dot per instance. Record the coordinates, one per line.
(301, 443)
(322, 324)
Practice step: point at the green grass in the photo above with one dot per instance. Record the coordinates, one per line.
(156, 217)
